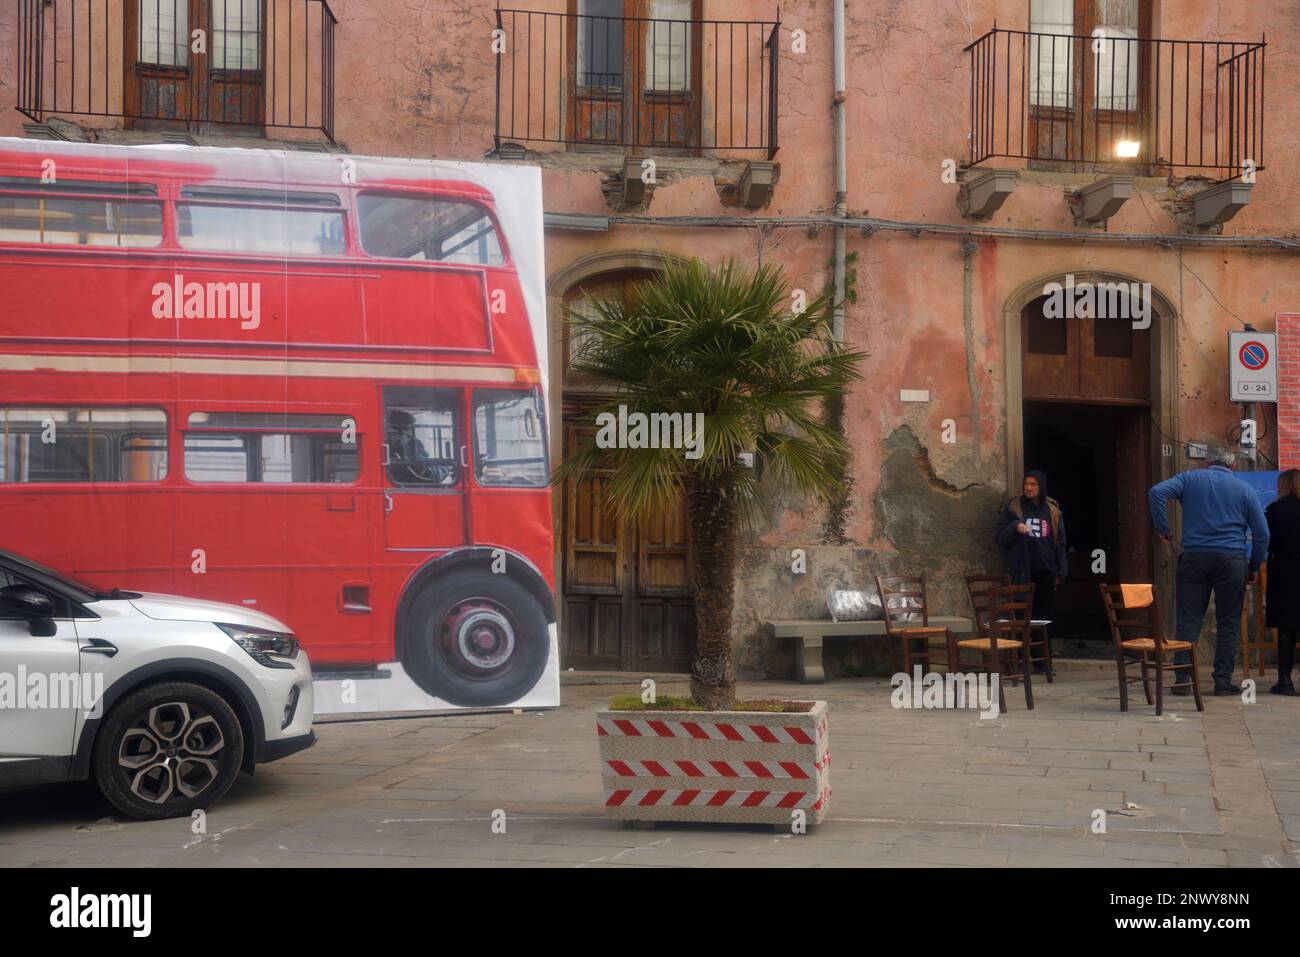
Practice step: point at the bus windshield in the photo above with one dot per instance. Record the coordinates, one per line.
(509, 442)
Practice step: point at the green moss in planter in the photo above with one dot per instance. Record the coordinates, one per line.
(631, 702)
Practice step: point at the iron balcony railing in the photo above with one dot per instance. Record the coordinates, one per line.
(581, 80)
(1100, 101)
(194, 64)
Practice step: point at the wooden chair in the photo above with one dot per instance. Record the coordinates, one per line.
(1040, 645)
(903, 598)
(1256, 636)
(1003, 633)
(1149, 648)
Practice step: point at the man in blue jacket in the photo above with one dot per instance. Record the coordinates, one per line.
(1218, 511)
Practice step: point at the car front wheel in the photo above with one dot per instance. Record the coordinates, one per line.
(167, 749)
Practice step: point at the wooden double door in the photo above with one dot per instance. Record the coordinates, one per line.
(634, 73)
(1088, 62)
(627, 596)
(192, 63)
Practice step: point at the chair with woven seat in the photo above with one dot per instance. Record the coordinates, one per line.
(1134, 610)
(1002, 624)
(907, 618)
(1256, 637)
(1040, 645)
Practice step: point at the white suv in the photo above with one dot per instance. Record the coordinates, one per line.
(162, 700)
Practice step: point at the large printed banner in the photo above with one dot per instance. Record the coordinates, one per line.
(309, 386)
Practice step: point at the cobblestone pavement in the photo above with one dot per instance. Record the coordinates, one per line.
(910, 788)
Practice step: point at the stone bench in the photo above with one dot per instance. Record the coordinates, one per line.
(811, 634)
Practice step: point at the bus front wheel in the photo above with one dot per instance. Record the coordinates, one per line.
(476, 639)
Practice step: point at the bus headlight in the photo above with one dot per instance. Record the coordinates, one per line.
(272, 649)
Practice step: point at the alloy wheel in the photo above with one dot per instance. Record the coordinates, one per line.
(172, 751)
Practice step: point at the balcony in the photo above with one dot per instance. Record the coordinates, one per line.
(199, 66)
(1103, 103)
(683, 87)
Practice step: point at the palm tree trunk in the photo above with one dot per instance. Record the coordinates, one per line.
(714, 515)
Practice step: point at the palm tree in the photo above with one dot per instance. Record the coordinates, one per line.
(725, 343)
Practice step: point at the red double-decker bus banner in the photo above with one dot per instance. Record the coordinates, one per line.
(313, 385)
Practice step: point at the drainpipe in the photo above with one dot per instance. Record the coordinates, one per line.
(841, 174)
(1248, 412)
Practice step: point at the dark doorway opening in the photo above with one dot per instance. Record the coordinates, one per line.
(1098, 468)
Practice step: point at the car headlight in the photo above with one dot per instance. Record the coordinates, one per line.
(273, 649)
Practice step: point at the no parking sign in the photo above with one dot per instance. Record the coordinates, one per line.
(1252, 361)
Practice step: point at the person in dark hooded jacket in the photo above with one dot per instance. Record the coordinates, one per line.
(1031, 533)
(1283, 597)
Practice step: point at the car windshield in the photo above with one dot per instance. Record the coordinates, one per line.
(81, 585)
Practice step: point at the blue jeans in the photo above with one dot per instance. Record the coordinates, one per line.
(1199, 573)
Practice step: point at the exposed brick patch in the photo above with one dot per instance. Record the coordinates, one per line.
(1288, 399)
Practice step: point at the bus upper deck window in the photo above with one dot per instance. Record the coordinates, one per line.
(432, 230)
(252, 229)
(79, 221)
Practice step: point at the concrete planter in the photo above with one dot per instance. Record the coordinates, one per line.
(742, 767)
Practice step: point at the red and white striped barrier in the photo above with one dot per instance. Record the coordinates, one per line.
(702, 731)
(744, 767)
(718, 769)
(701, 798)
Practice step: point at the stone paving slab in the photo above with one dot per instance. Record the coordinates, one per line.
(911, 788)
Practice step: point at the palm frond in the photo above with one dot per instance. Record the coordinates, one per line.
(721, 342)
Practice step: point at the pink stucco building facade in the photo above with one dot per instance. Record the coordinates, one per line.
(967, 383)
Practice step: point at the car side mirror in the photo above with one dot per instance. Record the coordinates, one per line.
(30, 604)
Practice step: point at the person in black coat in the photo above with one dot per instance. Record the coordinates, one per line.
(1283, 594)
(1031, 533)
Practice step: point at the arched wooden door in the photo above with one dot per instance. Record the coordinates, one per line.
(626, 587)
(1087, 423)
